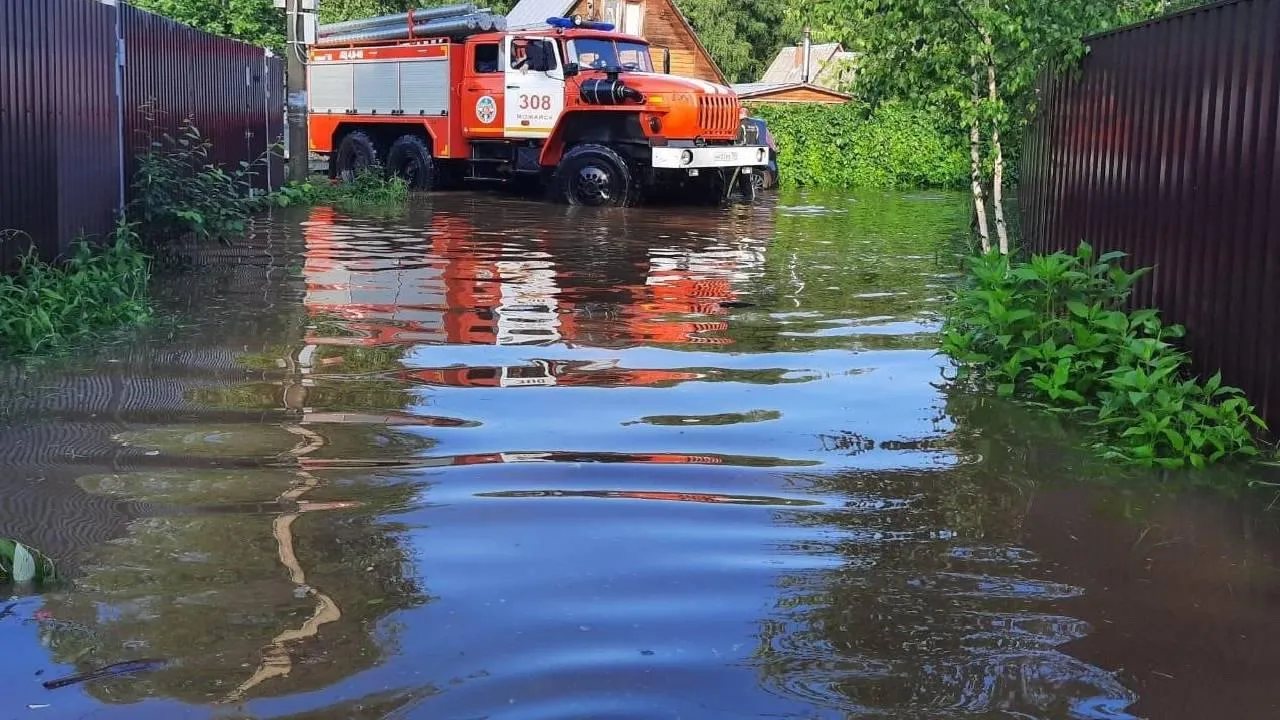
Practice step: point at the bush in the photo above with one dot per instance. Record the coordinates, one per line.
(45, 306)
(1054, 330)
(370, 190)
(849, 146)
(179, 192)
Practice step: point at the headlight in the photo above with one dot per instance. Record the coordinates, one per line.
(686, 157)
(655, 124)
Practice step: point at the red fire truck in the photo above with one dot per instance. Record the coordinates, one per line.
(449, 94)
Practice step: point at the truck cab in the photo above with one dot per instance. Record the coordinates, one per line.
(574, 107)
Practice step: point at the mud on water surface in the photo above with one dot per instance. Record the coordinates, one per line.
(493, 458)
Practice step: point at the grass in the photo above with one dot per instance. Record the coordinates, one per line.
(369, 191)
(48, 306)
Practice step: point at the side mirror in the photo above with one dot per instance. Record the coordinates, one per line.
(666, 60)
(571, 69)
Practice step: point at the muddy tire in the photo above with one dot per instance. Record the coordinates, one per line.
(356, 153)
(410, 159)
(594, 176)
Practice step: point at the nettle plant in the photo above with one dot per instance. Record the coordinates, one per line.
(1053, 330)
(180, 192)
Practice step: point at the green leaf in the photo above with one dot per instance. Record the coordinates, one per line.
(24, 564)
(1079, 309)
(1073, 396)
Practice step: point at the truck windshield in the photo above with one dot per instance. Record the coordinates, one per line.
(604, 54)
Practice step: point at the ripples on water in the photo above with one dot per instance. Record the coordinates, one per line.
(503, 460)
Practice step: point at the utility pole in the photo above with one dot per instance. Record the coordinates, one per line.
(297, 21)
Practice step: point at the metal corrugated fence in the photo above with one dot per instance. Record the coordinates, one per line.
(220, 84)
(1164, 146)
(57, 122)
(63, 128)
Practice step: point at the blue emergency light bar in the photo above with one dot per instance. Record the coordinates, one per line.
(577, 22)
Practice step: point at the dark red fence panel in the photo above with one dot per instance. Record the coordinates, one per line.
(1164, 146)
(58, 124)
(71, 122)
(176, 72)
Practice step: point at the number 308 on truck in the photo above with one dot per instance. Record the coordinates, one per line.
(438, 96)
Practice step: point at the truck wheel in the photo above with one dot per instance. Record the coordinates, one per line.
(410, 159)
(356, 154)
(595, 176)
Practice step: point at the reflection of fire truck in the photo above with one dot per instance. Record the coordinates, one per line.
(506, 458)
(455, 294)
(545, 373)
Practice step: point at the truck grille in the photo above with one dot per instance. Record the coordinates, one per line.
(718, 113)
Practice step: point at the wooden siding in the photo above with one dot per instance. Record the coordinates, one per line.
(665, 27)
(797, 95)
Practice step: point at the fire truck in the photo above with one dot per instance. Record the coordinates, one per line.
(442, 95)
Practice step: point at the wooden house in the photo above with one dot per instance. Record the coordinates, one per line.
(806, 73)
(658, 21)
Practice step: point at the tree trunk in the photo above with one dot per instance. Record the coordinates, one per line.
(997, 172)
(975, 157)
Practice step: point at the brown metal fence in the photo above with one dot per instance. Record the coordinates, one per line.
(173, 72)
(58, 136)
(70, 124)
(1164, 146)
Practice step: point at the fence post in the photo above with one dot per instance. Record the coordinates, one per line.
(119, 88)
(265, 87)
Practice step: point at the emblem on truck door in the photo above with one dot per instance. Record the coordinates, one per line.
(486, 110)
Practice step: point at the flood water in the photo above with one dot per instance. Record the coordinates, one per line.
(498, 459)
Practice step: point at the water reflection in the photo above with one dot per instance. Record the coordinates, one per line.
(450, 284)
(500, 459)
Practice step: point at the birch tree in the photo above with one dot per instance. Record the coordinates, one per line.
(977, 60)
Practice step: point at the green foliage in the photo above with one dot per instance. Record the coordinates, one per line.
(743, 36)
(252, 21)
(179, 192)
(930, 52)
(46, 306)
(371, 190)
(1053, 329)
(258, 22)
(848, 146)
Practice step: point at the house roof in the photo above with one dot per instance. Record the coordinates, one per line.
(824, 62)
(762, 90)
(533, 13)
(744, 89)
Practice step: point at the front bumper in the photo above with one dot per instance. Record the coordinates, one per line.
(716, 156)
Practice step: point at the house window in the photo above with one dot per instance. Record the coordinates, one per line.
(626, 15)
(633, 18)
